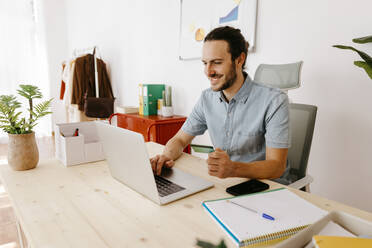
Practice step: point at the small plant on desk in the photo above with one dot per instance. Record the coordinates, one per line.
(204, 244)
(22, 149)
(9, 118)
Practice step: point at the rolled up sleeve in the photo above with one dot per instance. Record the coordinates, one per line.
(277, 123)
(196, 123)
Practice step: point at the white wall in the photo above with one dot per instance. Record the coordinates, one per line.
(139, 41)
(290, 30)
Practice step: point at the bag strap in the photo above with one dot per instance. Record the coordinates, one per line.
(95, 72)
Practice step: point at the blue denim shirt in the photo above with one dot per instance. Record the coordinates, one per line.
(256, 117)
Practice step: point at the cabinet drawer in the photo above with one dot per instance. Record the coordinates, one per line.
(161, 129)
(134, 124)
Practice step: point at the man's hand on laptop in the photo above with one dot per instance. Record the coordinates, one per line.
(160, 161)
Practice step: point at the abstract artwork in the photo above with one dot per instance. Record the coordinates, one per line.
(200, 17)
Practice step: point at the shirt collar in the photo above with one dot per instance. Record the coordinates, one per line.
(242, 94)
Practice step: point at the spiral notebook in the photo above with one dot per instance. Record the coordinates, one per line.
(249, 229)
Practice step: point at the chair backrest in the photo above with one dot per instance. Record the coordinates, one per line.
(283, 76)
(302, 122)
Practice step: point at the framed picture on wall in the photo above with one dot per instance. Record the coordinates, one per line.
(200, 17)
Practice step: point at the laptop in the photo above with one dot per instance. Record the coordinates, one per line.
(129, 163)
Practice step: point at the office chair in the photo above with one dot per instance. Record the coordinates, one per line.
(282, 76)
(302, 122)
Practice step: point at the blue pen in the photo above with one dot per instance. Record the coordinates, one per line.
(266, 216)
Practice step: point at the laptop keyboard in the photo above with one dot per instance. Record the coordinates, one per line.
(166, 187)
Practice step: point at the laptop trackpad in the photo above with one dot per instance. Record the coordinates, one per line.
(190, 184)
(185, 179)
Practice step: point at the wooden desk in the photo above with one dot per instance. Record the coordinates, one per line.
(83, 206)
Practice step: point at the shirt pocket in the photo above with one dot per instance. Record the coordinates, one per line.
(248, 143)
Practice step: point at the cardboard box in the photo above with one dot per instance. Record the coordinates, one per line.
(73, 150)
(349, 222)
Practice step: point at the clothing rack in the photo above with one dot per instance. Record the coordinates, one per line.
(94, 50)
(80, 52)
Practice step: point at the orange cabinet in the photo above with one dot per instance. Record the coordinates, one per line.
(154, 128)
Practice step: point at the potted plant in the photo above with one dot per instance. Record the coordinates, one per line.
(367, 63)
(23, 153)
(205, 244)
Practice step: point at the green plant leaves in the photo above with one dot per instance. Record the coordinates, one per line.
(367, 63)
(363, 55)
(42, 108)
(8, 115)
(29, 91)
(9, 101)
(39, 111)
(365, 66)
(363, 40)
(9, 118)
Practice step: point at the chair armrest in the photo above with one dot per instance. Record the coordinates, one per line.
(302, 182)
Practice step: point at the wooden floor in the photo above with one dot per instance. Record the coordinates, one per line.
(8, 228)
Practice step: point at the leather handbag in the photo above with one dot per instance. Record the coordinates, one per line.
(98, 107)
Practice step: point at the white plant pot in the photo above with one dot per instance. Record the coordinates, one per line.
(167, 111)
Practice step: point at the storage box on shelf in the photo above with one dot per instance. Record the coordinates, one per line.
(73, 150)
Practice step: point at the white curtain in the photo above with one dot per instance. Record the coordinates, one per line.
(22, 59)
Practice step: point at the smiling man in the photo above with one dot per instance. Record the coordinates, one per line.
(248, 123)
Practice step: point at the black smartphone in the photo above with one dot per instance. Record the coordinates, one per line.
(248, 187)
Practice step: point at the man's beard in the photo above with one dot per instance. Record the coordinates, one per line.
(230, 79)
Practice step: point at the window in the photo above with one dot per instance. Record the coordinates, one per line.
(23, 59)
